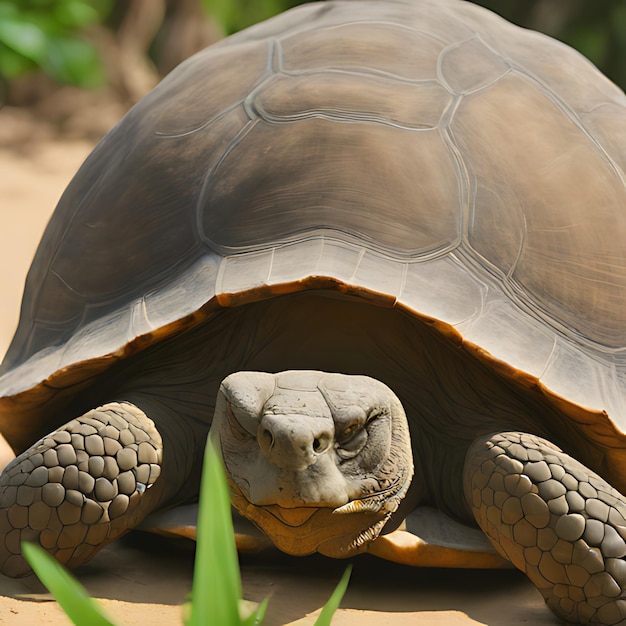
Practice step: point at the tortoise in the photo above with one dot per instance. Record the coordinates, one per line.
(384, 244)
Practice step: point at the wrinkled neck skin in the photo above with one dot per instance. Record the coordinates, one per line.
(448, 396)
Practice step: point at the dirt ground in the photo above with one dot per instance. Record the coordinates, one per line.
(143, 579)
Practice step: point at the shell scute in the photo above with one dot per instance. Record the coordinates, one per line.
(485, 197)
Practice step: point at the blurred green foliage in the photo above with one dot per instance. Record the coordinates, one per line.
(235, 15)
(46, 34)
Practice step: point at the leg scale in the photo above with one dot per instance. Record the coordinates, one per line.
(80, 487)
(554, 519)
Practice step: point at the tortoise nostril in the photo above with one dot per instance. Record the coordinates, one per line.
(268, 437)
(321, 444)
(290, 441)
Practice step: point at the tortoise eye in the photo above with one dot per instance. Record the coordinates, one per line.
(351, 440)
(351, 444)
(349, 431)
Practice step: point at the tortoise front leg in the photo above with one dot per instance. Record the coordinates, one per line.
(555, 520)
(80, 487)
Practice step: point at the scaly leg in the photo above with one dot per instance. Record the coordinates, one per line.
(555, 520)
(80, 487)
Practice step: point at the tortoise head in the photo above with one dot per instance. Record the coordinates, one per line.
(318, 461)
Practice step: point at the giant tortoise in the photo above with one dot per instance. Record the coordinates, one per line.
(385, 244)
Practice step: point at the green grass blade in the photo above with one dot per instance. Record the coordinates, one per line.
(335, 599)
(216, 589)
(257, 616)
(69, 593)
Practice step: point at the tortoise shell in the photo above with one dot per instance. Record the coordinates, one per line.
(421, 155)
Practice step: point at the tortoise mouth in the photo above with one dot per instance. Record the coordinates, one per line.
(303, 530)
(294, 518)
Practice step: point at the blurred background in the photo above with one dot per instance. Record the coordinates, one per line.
(61, 58)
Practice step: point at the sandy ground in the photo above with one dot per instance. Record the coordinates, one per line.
(143, 579)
